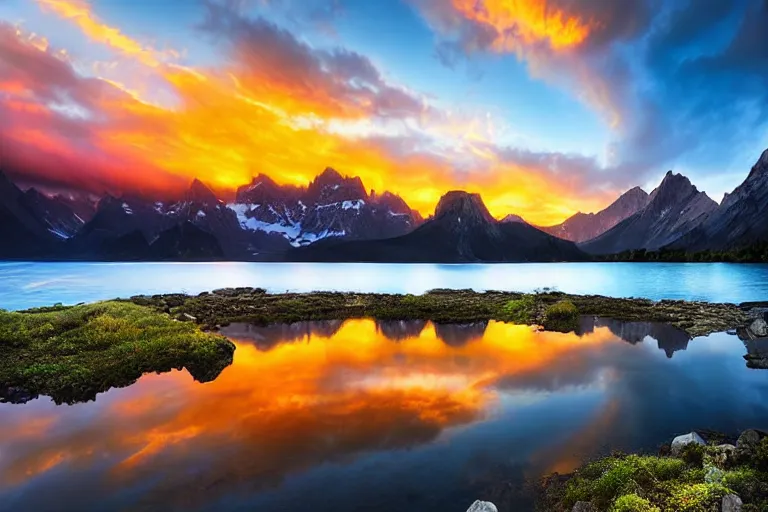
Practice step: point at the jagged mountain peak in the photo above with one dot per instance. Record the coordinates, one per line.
(673, 189)
(464, 206)
(330, 186)
(199, 192)
(263, 189)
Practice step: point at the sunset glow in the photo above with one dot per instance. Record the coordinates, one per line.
(99, 97)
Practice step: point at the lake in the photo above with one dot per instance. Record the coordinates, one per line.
(24, 285)
(377, 416)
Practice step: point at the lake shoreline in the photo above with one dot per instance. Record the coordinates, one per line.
(254, 305)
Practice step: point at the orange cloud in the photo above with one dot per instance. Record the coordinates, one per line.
(80, 13)
(527, 22)
(287, 112)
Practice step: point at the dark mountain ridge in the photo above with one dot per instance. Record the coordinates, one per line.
(674, 208)
(586, 226)
(461, 230)
(740, 220)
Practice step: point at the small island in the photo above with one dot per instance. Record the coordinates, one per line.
(73, 353)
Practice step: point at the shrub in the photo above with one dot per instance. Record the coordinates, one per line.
(693, 455)
(520, 311)
(696, 497)
(633, 503)
(562, 316)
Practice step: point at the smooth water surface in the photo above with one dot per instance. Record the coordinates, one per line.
(377, 416)
(24, 285)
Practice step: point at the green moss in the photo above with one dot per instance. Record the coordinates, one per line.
(520, 311)
(662, 484)
(603, 481)
(700, 497)
(633, 503)
(562, 316)
(73, 353)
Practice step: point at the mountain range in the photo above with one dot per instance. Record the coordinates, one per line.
(335, 218)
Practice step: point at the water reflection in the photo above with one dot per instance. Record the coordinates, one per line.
(390, 415)
(669, 338)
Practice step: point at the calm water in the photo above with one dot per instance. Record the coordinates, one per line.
(24, 285)
(377, 416)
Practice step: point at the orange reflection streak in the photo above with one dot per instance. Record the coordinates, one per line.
(526, 22)
(299, 404)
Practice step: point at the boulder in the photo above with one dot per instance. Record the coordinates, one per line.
(482, 506)
(583, 506)
(747, 444)
(723, 455)
(681, 441)
(759, 328)
(748, 440)
(731, 503)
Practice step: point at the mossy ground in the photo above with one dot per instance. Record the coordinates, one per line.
(442, 306)
(695, 482)
(73, 353)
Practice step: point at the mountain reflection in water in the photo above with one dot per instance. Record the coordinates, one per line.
(375, 415)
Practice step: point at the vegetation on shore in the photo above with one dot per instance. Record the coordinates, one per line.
(73, 353)
(254, 305)
(755, 253)
(695, 480)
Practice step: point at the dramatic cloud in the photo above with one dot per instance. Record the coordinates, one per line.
(273, 103)
(675, 81)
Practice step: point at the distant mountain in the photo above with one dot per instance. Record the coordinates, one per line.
(740, 220)
(57, 214)
(186, 241)
(22, 232)
(332, 206)
(674, 208)
(514, 218)
(461, 230)
(586, 226)
(116, 218)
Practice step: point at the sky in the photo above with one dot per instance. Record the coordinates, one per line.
(545, 107)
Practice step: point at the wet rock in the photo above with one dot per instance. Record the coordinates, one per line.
(482, 506)
(681, 441)
(731, 503)
(583, 506)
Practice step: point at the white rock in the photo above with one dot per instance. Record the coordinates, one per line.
(731, 503)
(680, 441)
(482, 506)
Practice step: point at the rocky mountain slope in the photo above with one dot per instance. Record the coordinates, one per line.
(674, 208)
(741, 219)
(586, 226)
(332, 206)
